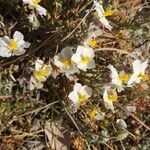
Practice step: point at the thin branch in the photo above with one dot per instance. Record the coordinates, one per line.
(37, 110)
(72, 119)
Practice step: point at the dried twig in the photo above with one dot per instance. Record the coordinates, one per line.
(83, 19)
(22, 135)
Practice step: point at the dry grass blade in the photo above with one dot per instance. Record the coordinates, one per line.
(120, 51)
(36, 110)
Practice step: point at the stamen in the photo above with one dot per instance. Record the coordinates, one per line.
(82, 97)
(85, 59)
(13, 45)
(35, 2)
(145, 77)
(41, 73)
(92, 43)
(124, 78)
(113, 97)
(93, 113)
(108, 12)
(67, 63)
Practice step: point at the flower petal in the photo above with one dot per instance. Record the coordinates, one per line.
(76, 58)
(33, 21)
(80, 50)
(5, 52)
(41, 11)
(137, 67)
(114, 73)
(34, 84)
(82, 66)
(99, 8)
(26, 45)
(58, 61)
(38, 64)
(20, 51)
(88, 90)
(144, 66)
(73, 96)
(105, 23)
(91, 64)
(4, 41)
(18, 36)
(77, 87)
(133, 79)
(108, 104)
(26, 1)
(67, 52)
(88, 52)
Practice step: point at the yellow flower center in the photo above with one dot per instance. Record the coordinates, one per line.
(13, 45)
(82, 97)
(85, 59)
(143, 76)
(108, 12)
(35, 2)
(93, 113)
(113, 97)
(67, 63)
(124, 78)
(92, 43)
(41, 73)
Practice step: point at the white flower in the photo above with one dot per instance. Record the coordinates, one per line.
(34, 4)
(40, 75)
(64, 62)
(84, 58)
(109, 96)
(15, 46)
(91, 40)
(118, 79)
(42, 71)
(34, 21)
(102, 14)
(80, 93)
(96, 114)
(138, 72)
